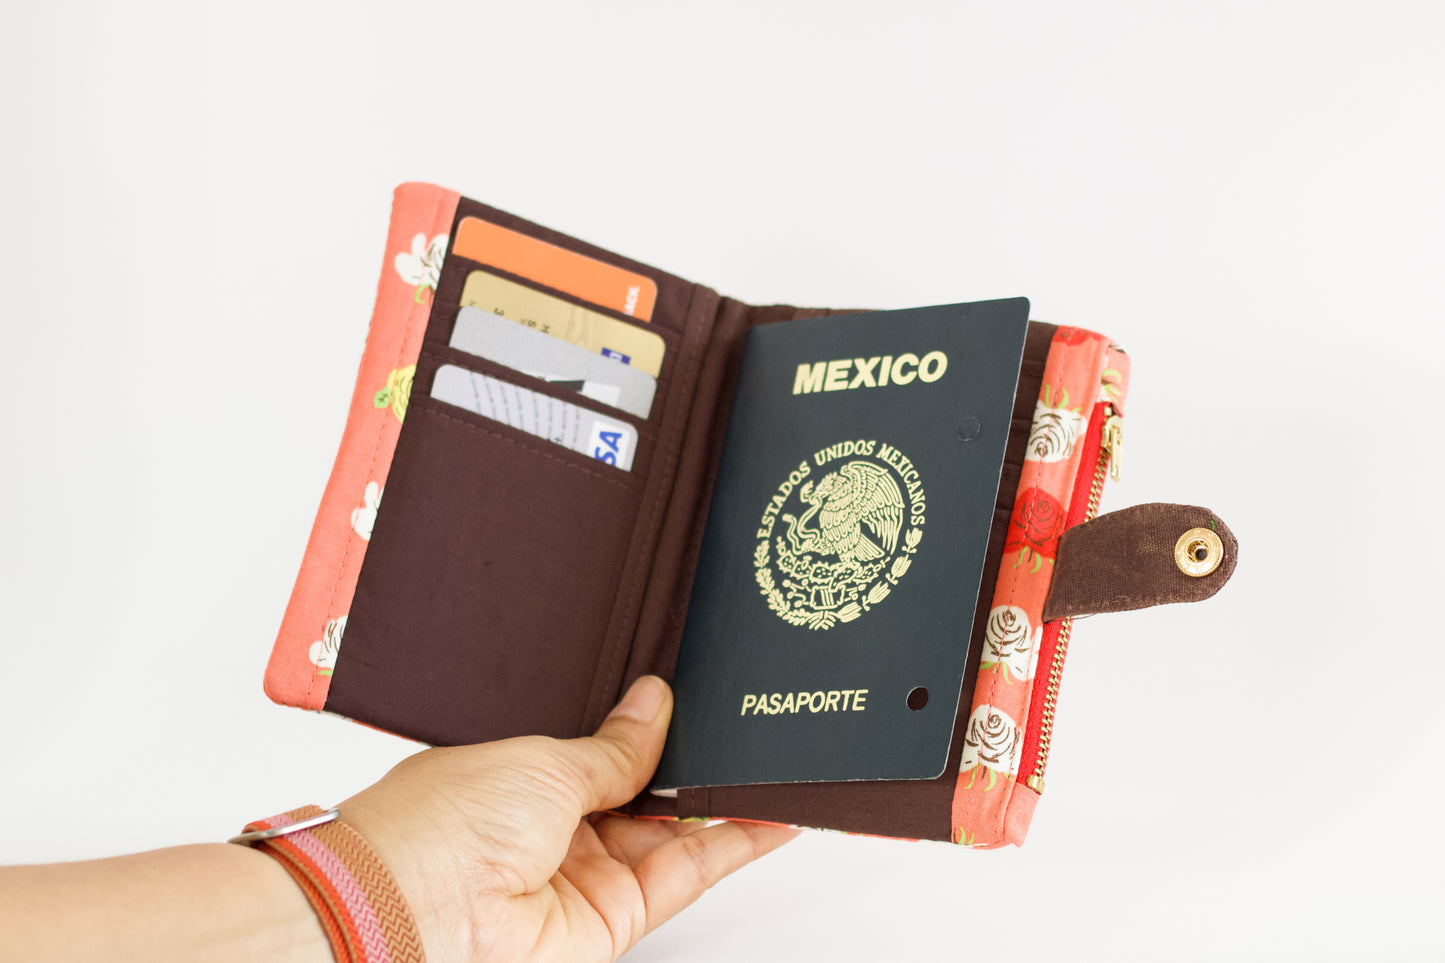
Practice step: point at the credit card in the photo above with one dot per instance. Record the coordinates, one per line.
(608, 440)
(573, 323)
(539, 355)
(578, 275)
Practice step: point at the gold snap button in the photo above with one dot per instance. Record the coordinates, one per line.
(1198, 552)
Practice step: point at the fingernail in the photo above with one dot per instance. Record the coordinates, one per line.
(643, 700)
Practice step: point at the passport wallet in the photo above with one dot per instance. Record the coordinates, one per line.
(855, 542)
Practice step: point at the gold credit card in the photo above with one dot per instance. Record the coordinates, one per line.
(572, 323)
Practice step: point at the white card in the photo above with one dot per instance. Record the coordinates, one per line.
(608, 440)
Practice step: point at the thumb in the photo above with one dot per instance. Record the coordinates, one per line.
(616, 763)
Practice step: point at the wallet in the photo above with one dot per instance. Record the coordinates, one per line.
(467, 580)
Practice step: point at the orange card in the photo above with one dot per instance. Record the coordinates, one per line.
(576, 274)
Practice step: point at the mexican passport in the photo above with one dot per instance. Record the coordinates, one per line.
(828, 629)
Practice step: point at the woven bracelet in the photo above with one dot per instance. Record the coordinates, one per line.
(362, 910)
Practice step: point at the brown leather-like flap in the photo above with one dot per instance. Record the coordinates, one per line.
(1141, 556)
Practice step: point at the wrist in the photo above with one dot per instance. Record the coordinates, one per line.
(429, 883)
(354, 896)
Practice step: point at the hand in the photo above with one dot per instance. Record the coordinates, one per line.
(502, 855)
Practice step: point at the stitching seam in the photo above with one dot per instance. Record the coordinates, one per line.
(616, 658)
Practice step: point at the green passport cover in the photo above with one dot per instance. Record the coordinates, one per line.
(828, 630)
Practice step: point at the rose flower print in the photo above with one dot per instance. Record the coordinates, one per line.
(1073, 337)
(323, 651)
(1034, 529)
(363, 518)
(1055, 430)
(396, 393)
(1010, 643)
(422, 265)
(993, 743)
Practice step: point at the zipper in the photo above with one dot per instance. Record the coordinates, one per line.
(1100, 460)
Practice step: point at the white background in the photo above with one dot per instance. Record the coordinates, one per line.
(1248, 196)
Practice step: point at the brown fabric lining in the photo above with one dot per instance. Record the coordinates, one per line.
(485, 527)
(665, 606)
(444, 576)
(699, 323)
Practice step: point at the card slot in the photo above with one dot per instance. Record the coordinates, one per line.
(445, 354)
(463, 266)
(539, 446)
(433, 358)
(674, 294)
(454, 277)
(682, 318)
(444, 314)
(443, 320)
(490, 578)
(440, 356)
(629, 478)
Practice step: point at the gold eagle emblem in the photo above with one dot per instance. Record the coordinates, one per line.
(857, 496)
(846, 548)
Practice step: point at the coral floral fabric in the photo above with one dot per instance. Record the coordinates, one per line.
(991, 805)
(299, 672)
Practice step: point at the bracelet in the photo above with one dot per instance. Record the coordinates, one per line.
(362, 910)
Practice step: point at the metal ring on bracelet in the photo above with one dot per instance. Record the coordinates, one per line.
(261, 835)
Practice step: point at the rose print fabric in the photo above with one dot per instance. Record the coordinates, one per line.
(991, 805)
(1056, 429)
(422, 265)
(992, 746)
(323, 651)
(312, 630)
(1011, 643)
(364, 516)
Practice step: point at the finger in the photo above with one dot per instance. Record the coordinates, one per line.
(678, 872)
(590, 877)
(595, 872)
(630, 841)
(615, 764)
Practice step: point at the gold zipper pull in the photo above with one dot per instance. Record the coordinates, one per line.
(1113, 441)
